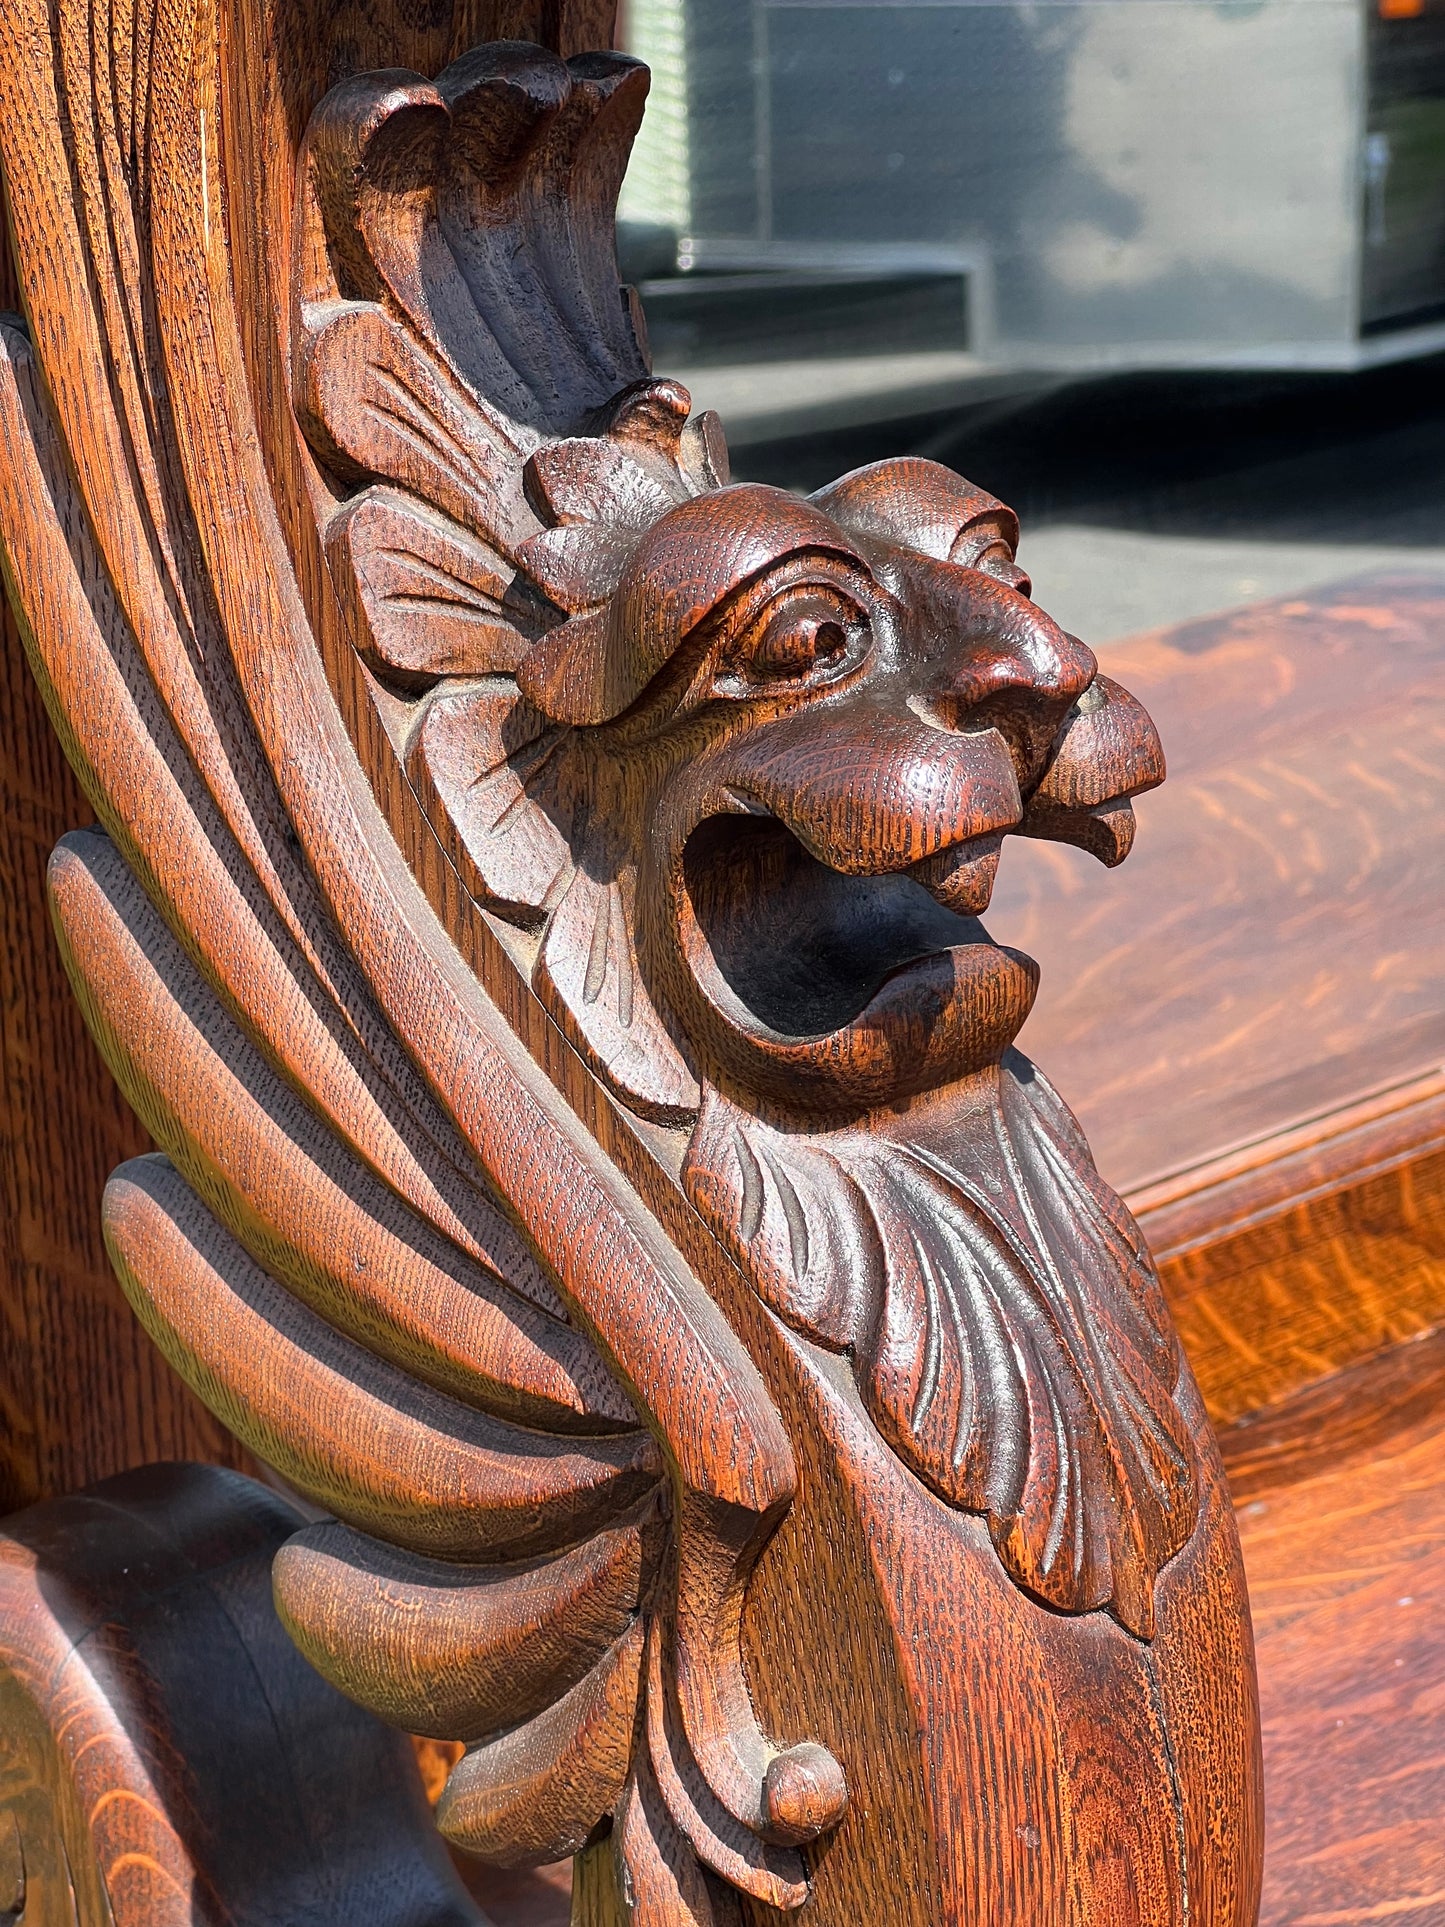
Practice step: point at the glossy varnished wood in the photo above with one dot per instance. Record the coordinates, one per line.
(79, 1399)
(1248, 1015)
(1342, 1513)
(82, 1394)
(1274, 937)
(1324, 1252)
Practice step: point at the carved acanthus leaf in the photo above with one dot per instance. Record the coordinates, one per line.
(375, 403)
(588, 976)
(457, 303)
(426, 598)
(497, 770)
(514, 786)
(447, 1650)
(477, 209)
(973, 1269)
(584, 479)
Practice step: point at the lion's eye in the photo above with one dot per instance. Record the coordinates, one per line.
(792, 642)
(800, 636)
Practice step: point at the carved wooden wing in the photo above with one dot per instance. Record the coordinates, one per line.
(377, 1242)
(534, 910)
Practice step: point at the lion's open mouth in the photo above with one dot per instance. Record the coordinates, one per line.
(804, 948)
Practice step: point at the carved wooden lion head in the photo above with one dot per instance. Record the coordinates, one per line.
(536, 915)
(744, 761)
(731, 770)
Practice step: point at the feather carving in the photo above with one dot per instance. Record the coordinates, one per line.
(972, 1273)
(381, 1246)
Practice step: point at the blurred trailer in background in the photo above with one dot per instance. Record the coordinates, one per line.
(860, 197)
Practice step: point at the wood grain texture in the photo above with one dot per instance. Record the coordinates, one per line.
(1317, 1258)
(1342, 1515)
(160, 1737)
(1248, 1015)
(531, 1796)
(535, 909)
(442, 1655)
(82, 1393)
(689, 658)
(1296, 830)
(80, 1397)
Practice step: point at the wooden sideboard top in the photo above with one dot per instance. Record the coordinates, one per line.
(1267, 971)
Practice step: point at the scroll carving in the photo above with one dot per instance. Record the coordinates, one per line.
(536, 914)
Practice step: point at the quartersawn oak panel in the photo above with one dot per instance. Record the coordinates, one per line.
(1249, 1016)
(1315, 1260)
(1341, 1510)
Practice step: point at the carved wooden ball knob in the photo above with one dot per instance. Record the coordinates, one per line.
(805, 1793)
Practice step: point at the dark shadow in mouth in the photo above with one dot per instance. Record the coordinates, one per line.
(802, 946)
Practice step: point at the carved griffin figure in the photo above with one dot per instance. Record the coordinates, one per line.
(538, 920)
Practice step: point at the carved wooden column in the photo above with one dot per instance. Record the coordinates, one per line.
(535, 915)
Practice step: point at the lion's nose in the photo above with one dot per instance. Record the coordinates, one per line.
(1002, 663)
(1107, 751)
(1012, 576)
(1034, 659)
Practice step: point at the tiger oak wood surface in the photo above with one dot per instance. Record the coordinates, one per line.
(1249, 1017)
(1341, 1497)
(1351, 1261)
(82, 1393)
